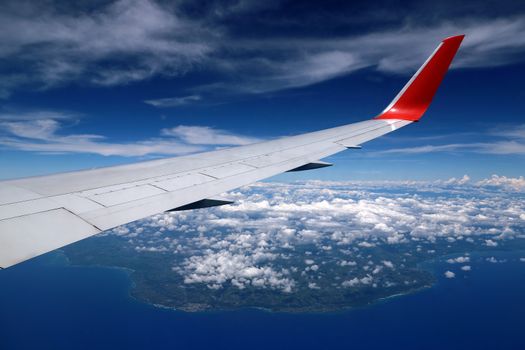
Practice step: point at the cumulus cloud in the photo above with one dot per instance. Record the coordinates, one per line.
(493, 260)
(490, 243)
(277, 235)
(366, 280)
(461, 181)
(466, 268)
(504, 182)
(412, 214)
(459, 260)
(238, 269)
(313, 285)
(450, 274)
(388, 264)
(351, 283)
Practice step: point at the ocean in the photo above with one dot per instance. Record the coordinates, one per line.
(47, 304)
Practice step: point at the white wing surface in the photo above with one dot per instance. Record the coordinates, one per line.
(41, 214)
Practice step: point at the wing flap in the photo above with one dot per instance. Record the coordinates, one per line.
(227, 170)
(109, 199)
(27, 236)
(183, 181)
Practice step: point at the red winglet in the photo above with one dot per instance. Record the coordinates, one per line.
(413, 100)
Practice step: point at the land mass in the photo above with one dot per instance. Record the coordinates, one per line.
(336, 286)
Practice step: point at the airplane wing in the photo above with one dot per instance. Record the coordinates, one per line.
(44, 213)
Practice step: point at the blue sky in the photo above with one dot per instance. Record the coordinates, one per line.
(108, 82)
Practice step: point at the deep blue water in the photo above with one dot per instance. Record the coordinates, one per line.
(52, 306)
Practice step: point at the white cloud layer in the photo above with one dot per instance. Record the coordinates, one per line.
(517, 184)
(279, 236)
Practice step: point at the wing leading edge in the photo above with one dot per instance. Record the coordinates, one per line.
(41, 214)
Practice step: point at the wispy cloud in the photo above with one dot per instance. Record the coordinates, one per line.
(430, 149)
(123, 41)
(205, 135)
(9, 116)
(399, 51)
(498, 147)
(131, 40)
(515, 132)
(46, 135)
(174, 101)
(509, 141)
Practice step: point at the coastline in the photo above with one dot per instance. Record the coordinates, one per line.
(98, 299)
(429, 265)
(204, 308)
